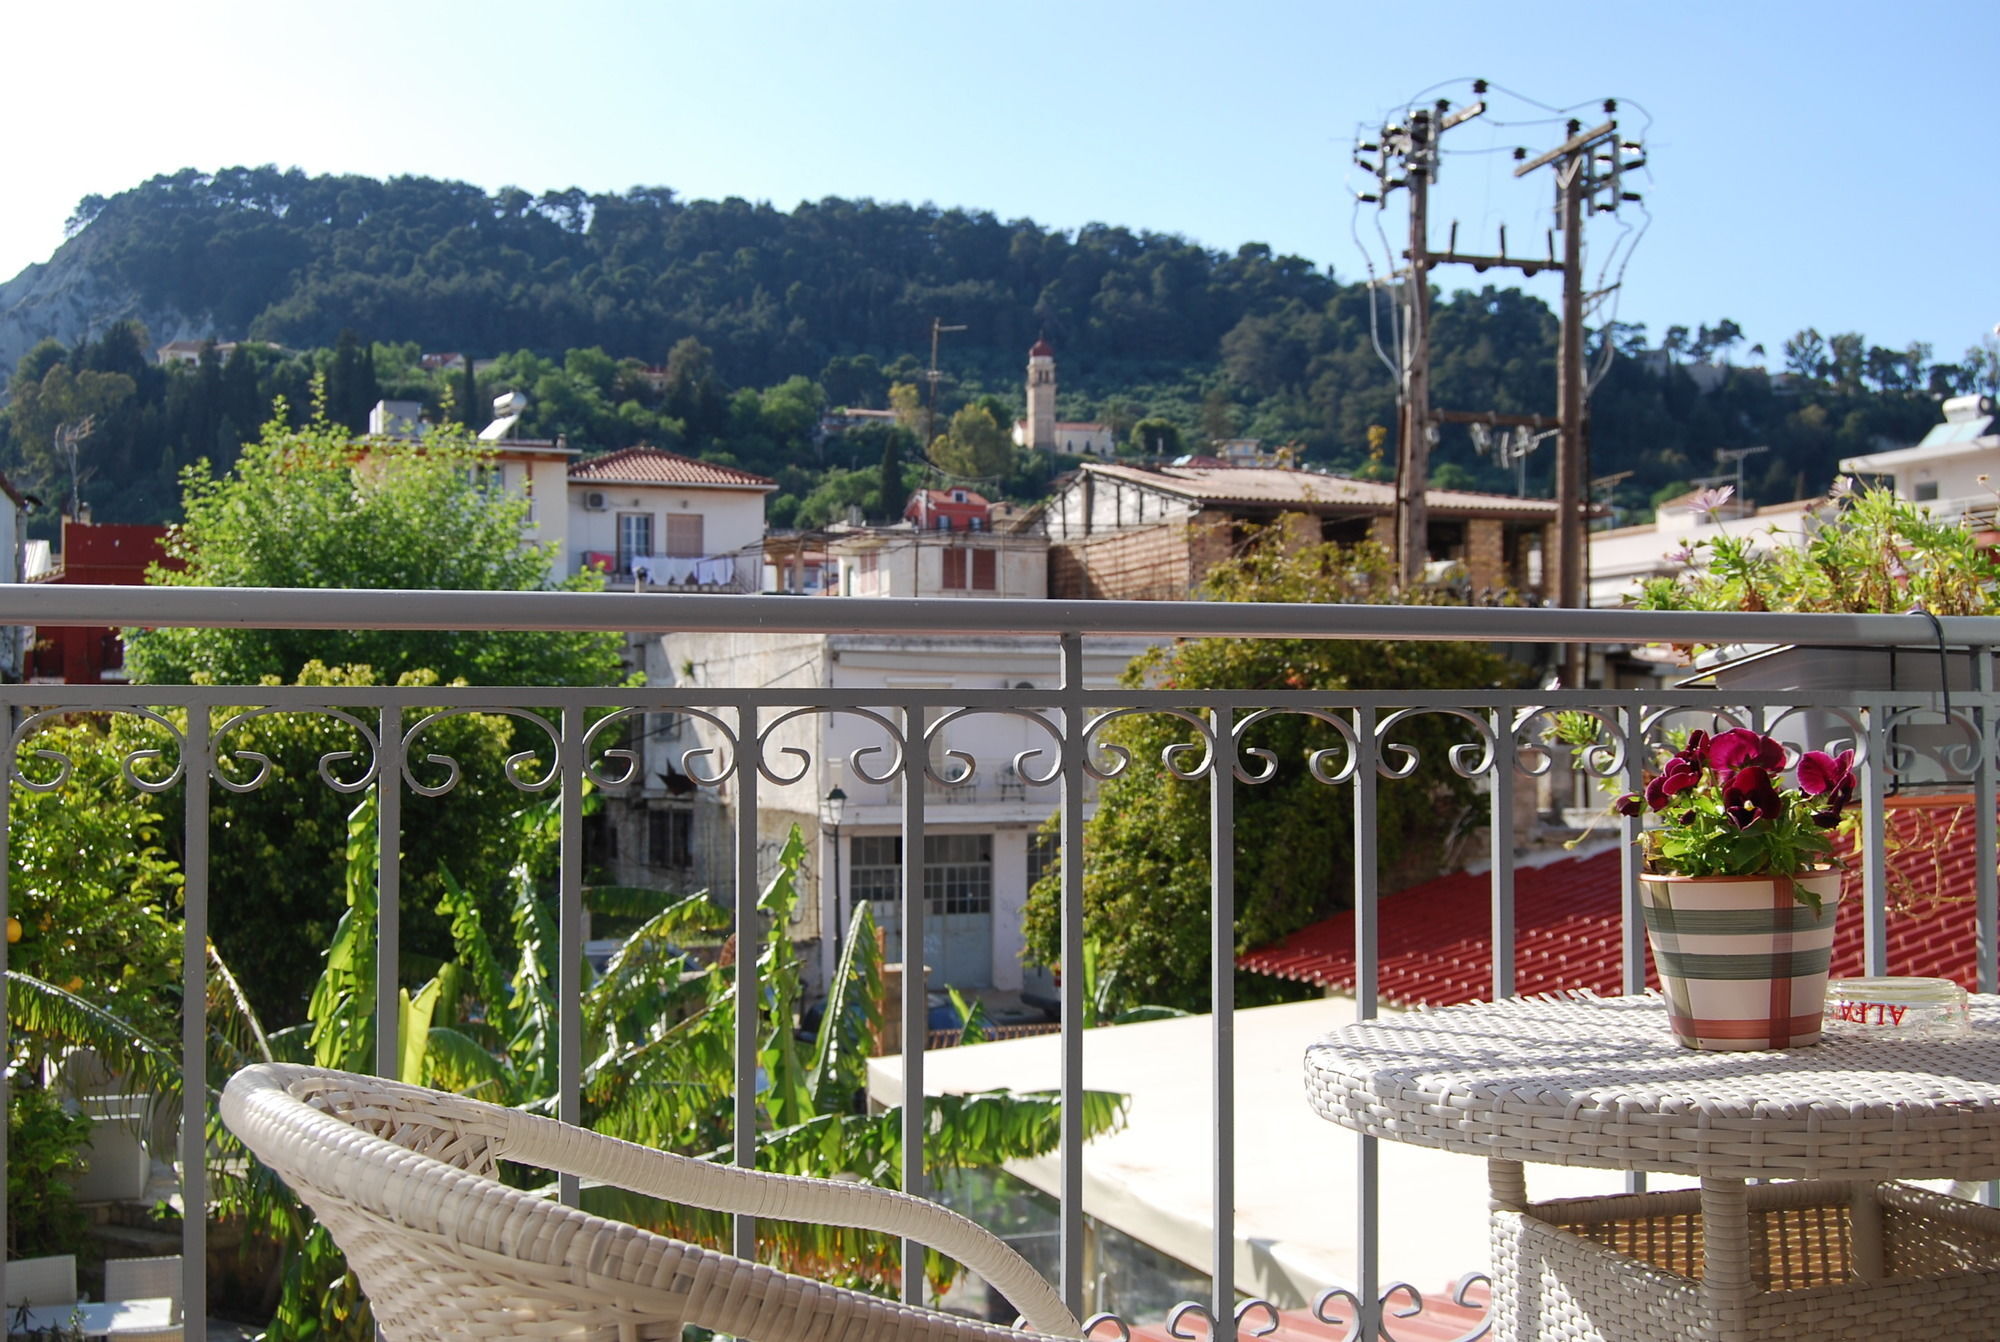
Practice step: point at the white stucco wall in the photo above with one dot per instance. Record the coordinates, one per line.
(1952, 472)
(995, 802)
(1088, 505)
(732, 520)
(912, 563)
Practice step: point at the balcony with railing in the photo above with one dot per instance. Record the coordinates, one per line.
(571, 750)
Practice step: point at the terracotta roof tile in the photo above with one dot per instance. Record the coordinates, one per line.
(650, 466)
(1435, 946)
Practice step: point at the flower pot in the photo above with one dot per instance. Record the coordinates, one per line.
(1742, 963)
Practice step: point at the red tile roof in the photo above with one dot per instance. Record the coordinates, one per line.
(1436, 949)
(650, 466)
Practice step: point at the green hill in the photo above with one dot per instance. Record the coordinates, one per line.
(841, 293)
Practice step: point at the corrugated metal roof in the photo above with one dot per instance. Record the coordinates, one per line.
(1312, 491)
(651, 466)
(1435, 942)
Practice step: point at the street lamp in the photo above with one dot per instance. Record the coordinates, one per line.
(831, 808)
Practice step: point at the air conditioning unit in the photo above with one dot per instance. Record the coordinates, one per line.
(594, 501)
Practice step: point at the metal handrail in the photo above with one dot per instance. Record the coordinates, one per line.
(660, 612)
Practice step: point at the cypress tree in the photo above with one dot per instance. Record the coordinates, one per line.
(892, 475)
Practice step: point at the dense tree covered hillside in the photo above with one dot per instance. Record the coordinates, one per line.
(725, 328)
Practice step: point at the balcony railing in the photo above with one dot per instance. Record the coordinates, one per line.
(1505, 748)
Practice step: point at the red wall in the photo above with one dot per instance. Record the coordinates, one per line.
(105, 554)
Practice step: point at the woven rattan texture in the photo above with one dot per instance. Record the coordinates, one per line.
(400, 1176)
(1628, 1269)
(1600, 1081)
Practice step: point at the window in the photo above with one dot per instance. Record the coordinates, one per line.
(1926, 491)
(635, 537)
(958, 871)
(977, 570)
(670, 838)
(954, 569)
(958, 496)
(943, 522)
(684, 536)
(975, 523)
(875, 866)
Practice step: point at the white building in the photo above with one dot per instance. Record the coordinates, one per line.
(981, 848)
(1041, 430)
(14, 567)
(1955, 468)
(1624, 558)
(664, 522)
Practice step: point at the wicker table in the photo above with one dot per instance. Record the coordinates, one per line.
(1601, 1082)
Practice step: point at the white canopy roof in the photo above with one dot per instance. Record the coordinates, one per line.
(1296, 1206)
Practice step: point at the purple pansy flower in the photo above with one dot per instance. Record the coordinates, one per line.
(1748, 797)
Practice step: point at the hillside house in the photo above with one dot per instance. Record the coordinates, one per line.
(1954, 468)
(1135, 533)
(659, 521)
(946, 548)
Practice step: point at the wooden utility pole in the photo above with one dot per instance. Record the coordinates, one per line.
(1589, 166)
(1416, 147)
(1413, 431)
(1577, 184)
(930, 403)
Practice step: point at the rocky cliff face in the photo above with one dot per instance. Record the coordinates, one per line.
(67, 298)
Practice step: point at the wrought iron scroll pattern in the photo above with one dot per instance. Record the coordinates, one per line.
(65, 766)
(1266, 1319)
(1316, 761)
(1120, 756)
(1020, 759)
(265, 765)
(803, 758)
(1468, 759)
(512, 768)
(1322, 1309)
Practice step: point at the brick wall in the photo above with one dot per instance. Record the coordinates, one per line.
(1141, 564)
(1485, 555)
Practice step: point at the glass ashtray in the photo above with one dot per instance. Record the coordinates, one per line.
(1896, 1008)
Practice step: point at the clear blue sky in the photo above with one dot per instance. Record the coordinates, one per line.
(1826, 164)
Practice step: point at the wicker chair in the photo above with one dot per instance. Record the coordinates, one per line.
(402, 1178)
(143, 1278)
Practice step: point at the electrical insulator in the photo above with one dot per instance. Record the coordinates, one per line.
(1610, 107)
(1369, 200)
(1371, 148)
(1630, 195)
(1479, 87)
(1366, 166)
(1519, 153)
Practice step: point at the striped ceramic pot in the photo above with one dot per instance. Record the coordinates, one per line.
(1742, 963)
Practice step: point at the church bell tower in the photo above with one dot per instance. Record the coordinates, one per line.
(1042, 397)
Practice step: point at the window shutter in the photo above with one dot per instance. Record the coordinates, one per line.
(684, 536)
